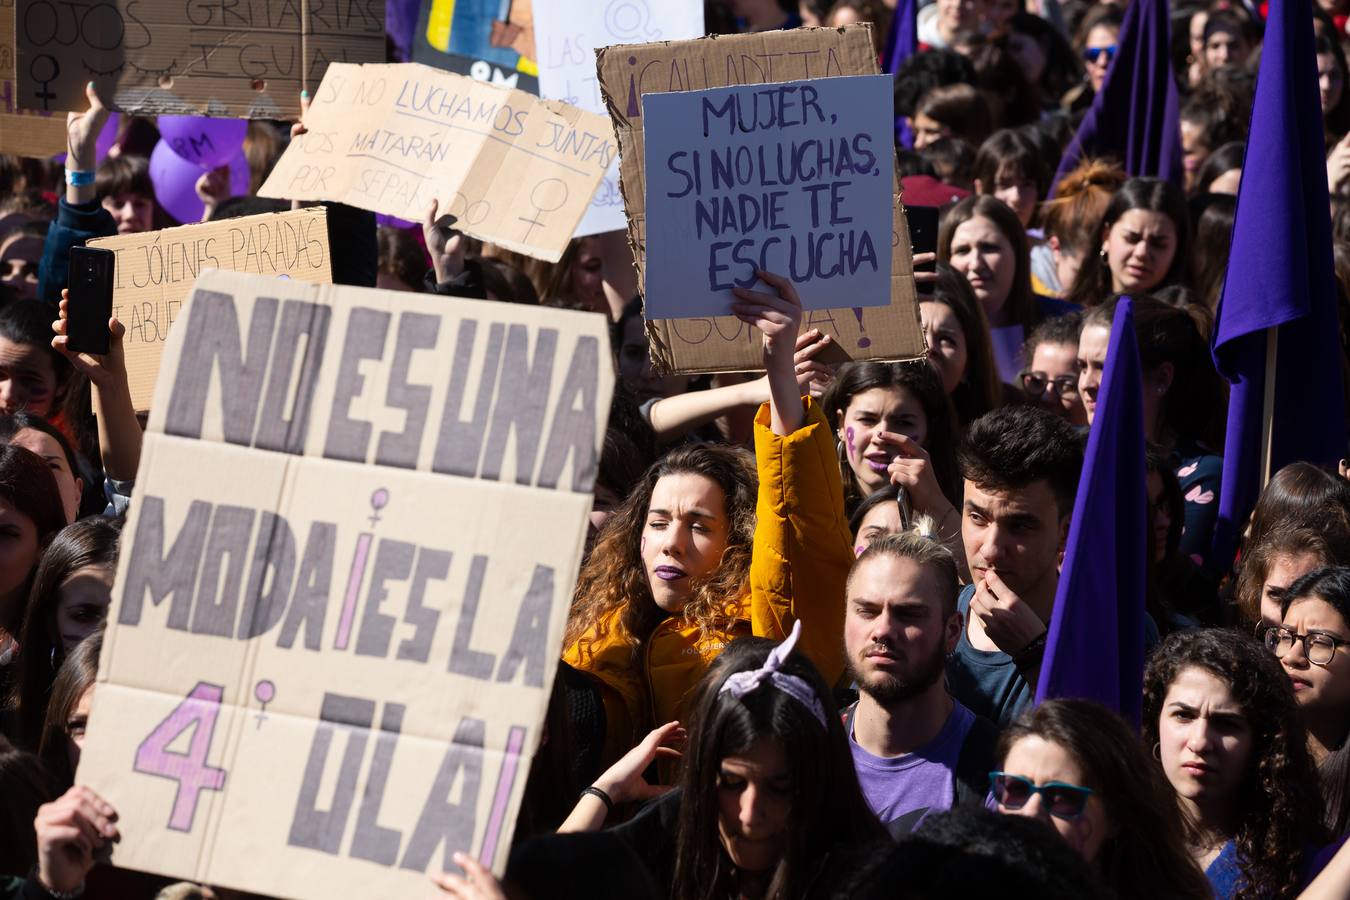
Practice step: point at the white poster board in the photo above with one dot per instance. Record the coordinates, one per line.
(791, 178)
(568, 32)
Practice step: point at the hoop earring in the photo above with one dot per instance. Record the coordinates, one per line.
(1157, 751)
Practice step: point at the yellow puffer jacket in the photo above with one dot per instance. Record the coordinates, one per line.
(800, 560)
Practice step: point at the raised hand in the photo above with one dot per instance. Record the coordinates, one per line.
(1008, 620)
(445, 244)
(71, 831)
(912, 470)
(623, 781)
(778, 316)
(108, 372)
(813, 377)
(477, 883)
(82, 130)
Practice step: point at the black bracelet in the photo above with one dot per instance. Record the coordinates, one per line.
(1031, 651)
(604, 798)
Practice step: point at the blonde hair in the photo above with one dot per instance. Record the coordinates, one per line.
(919, 543)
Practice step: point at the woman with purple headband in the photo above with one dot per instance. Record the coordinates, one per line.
(768, 803)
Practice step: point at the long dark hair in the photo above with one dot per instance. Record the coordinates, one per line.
(24, 786)
(923, 382)
(980, 389)
(1147, 856)
(1193, 407)
(1301, 494)
(1020, 308)
(1336, 121)
(76, 675)
(827, 806)
(89, 542)
(1278, 810)
(614, 578)
(1213, 238)
(29, 486)
(1331, 585)
(1093, 284)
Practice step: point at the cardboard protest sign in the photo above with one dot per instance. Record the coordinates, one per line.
(330, 651)
(23, 134)
(630, 72)
(488, 40)
(793, 178)
(513, 169)
(246, 59)
(155, 272)
(568, 32)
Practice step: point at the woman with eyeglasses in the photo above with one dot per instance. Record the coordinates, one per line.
(1311, 644)
(1223, 727)
(1182, 399)
(1050, 378)
(1077, 766)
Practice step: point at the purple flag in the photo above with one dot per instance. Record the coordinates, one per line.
(902, 42)
(1136, 117)
(1095, 646)
(1280, 275)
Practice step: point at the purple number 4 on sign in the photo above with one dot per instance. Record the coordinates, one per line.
(153, 757)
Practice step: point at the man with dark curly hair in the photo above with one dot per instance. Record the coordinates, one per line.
(1020, 465)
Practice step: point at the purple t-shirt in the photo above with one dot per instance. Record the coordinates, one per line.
(912, 785)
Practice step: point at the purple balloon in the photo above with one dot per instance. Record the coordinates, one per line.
(240, 175)
(175, 181)
(206, 142)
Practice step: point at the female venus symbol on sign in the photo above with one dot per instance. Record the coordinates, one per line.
(547, 196)
(46, 95)
(265, 692)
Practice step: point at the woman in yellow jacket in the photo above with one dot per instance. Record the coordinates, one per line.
(688, 563)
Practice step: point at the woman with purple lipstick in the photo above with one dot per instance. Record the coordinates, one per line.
(685, 565)
(894, 424)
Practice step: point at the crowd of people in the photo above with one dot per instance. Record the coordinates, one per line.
(804, 645)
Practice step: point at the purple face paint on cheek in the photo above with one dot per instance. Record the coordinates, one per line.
(848, 441)
(858, 550)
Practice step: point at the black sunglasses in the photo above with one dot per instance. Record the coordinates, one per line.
(1063, 801)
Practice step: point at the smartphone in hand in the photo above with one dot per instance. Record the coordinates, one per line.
(91, 295)
(923, 235)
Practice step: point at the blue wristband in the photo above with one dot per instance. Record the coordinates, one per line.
(76, 178)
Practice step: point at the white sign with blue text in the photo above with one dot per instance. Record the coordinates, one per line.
(567, 34)
(793, 178)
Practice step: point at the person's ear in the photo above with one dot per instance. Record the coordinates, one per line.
(951, 632)
(979, 187)
(1064, 522)
(1161, 377)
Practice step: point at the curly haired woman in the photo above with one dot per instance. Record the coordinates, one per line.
(686, 565)
(1223, 724)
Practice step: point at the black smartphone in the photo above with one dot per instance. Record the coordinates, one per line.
(91, 296)
(923, 232)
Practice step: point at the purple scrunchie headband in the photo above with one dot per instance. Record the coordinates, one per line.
(742, 683)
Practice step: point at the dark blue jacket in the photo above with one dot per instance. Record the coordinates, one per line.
(75, 224)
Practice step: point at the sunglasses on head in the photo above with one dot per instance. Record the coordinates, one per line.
(1063, 801)
(1093, 54)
